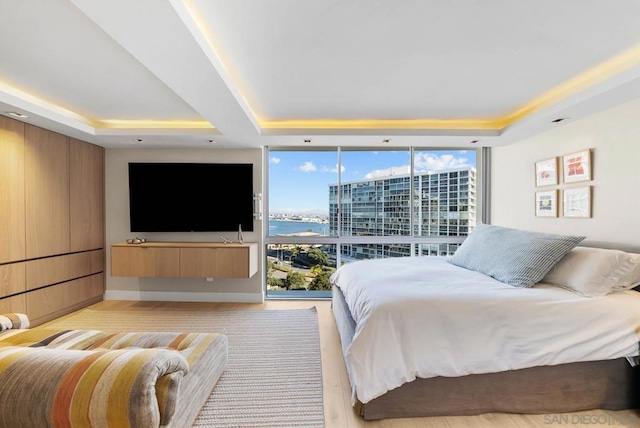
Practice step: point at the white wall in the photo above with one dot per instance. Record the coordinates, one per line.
(179, 289)
(614, 136)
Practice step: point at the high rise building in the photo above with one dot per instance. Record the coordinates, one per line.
(444, 205)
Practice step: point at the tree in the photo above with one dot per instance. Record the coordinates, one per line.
(277, 283)
(296, 250)
(295, 281)
(319, 256)
(316, 270)
(320, 282)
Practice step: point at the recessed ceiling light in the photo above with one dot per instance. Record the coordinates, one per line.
(474, 141)
(560, 119)
(211, 141)
(386, 140)
(138, 140)
(16, 114)
(307, 141)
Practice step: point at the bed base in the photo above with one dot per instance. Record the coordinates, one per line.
(608, 385)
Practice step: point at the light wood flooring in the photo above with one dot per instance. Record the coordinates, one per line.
(337, 392)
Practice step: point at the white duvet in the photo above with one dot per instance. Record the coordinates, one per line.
(424, 317)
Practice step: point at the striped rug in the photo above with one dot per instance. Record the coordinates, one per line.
(274, 376)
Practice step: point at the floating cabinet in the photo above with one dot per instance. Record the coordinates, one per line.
(185, 260)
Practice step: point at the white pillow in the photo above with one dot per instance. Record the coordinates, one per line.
(593, 272)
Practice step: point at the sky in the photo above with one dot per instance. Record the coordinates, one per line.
(299, 180)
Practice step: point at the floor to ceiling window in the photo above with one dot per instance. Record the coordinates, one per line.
(327, 207)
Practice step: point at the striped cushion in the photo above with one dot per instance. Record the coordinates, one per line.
(81, 388)
(516, 257)
(13, 320)
(43, 337)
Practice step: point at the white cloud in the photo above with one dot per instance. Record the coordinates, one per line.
(274, 160)
(307, 167)
(394, 170)
(423, 162)
(334, 170)
(342, 169)
(431, 162)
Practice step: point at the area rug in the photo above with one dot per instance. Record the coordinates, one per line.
(274, 374)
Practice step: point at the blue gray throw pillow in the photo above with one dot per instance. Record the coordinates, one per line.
(516, 257)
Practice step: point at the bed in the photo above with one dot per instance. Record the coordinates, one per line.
(422, 336)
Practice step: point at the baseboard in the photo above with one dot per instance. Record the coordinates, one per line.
(174, 296)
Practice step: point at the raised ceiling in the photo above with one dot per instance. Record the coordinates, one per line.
(248, 73)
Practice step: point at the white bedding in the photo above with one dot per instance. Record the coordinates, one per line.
(424, 317)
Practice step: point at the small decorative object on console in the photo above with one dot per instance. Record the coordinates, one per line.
(136, 240)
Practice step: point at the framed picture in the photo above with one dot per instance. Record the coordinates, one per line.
(577, 166)
(547, 204)
(577, 202)
(547, 172)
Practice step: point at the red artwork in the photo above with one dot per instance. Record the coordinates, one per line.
(575, 166)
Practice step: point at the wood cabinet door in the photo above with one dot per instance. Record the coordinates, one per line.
(51, 270)
(14, 304)
(233, 262)
(214, 262)
(12, 279)
(145, 262)
(47, 192)
(48, 303)
(86, 183)
(12, 208)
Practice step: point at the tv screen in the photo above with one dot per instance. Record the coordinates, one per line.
(190, 197)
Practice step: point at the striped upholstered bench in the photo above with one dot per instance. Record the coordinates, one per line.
(85, 378)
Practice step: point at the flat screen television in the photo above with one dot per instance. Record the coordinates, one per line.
(190, 197)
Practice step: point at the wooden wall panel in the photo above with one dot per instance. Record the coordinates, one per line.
(12, 279)
(47, 192)
(14, 304)
(48, 303)
(52, 270)
(12, 208)
(39, 172)
(86, 180)
(97, 260)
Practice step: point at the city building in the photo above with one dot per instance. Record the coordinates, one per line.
(444, 205)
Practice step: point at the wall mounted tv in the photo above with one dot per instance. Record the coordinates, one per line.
(190, 197)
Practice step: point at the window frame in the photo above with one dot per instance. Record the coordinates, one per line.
(481, 212)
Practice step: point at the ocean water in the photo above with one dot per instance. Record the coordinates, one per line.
(278, 226)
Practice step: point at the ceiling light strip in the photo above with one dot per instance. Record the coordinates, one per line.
(153, 124)
(384, 124)
(192, 17)
(608, 69)
(41, 105)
